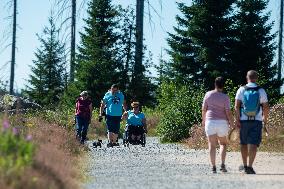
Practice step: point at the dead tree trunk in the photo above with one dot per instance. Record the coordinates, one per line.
(138, 67)
(73, 41)
(280, 41)
(13, 60)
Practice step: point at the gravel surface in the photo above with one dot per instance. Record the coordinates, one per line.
(159, 166)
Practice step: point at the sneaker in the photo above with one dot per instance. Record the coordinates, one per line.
(243, 168)
(223, 168)
(78, 137)
(109, 145)
(96, 144)
(249, 170)
(116, 144)
(214, 170)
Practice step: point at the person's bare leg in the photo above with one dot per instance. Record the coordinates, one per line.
(115, 136)
(109, 136)
(212, 142)
(223, 148)
(252, 149)
(244, 152)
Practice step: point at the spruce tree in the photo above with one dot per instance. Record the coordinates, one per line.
(48, 77)
(199, 48)
(255, 46)
(97, 67)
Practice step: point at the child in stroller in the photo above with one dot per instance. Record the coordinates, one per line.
(136, 128)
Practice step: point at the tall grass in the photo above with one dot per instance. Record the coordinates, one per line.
(42, 153)
(16, 153)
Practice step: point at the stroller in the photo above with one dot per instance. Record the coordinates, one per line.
(134, 130)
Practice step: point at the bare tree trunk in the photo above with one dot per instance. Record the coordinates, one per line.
(280, 41)
(73, 41)
(12, 76)
(138, 67)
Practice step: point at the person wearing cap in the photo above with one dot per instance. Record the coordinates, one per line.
(83, 115)
(136, 122)
(114, 102)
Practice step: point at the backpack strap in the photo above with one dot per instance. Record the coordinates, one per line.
(252, 88)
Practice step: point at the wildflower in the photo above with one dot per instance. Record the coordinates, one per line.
(15, 131)
(29, 138)
(30, 125)
(6, 124)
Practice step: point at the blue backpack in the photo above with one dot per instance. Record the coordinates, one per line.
(251, 102)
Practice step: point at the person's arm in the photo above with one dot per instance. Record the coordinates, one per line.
(204, 110)
(124, 106)
(237, 112)
(125, 115)
(265, 112)
(230, 117)
(265, 109)
(76, 105)
(228, 112)
(101, 111)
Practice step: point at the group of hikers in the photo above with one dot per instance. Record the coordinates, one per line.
(114, 108)
(251, 112)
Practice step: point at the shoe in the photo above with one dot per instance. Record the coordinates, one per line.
(82, 141)
(249, 170)
(243, 168)
(223, 168)
(109, 145)
(214, 170)
(78, 137)
(116, 144)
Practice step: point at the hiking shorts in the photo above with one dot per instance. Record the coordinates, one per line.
(216, 127)
(250, 132)
(113, 123)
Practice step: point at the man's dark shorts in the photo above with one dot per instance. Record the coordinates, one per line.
(251, 132)
(113, 123)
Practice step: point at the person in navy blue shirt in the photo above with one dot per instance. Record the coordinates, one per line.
(114, 102)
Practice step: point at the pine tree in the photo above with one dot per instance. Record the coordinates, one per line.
(254, 46)
(97, 67)
(199, 48)
(48, 77)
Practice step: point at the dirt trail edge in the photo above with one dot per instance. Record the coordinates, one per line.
(159, 166)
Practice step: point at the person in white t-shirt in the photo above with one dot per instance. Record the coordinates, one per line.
(250, 120)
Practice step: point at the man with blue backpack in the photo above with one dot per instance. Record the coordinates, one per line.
(251, 106)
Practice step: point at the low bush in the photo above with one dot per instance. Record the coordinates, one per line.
(181, 107)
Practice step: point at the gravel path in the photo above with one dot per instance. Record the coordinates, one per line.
(159, 166)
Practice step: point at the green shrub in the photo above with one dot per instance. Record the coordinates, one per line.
(16, 152)
(181, 107)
